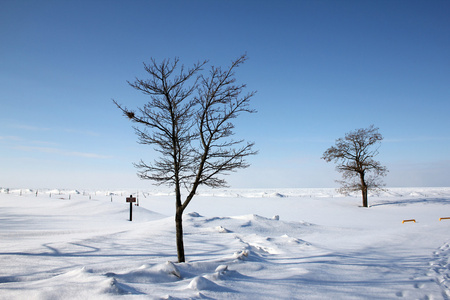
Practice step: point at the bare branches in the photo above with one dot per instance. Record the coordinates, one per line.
(188, 120)
(354, 156)
(220, 101)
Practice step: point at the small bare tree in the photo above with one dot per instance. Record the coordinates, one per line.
(188, 120)
(354, 155)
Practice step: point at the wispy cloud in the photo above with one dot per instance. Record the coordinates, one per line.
(82, 132)
(88, 155)
(58, 151)
(37, 142)
(418, 139)
(10, 138)
(66, 130)
(50, 147)
(30, 127)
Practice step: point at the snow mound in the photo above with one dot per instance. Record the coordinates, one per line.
(222, 229)
(112, 286)
(160, 273)
(194, 214)
(221, 269)
(241, 255)
(201, 283)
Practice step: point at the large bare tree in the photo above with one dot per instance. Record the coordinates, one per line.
(354, 155)
(188, 120)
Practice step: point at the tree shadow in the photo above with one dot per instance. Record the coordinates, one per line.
(90, 252)
(404, 202)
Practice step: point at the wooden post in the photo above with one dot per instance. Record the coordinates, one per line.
(131, 200)
(131, 211)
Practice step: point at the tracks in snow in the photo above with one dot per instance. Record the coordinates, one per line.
(440, 269)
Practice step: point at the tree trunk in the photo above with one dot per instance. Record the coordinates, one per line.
(364, 196)
(179, 228)
(179, 222)
(364, 191)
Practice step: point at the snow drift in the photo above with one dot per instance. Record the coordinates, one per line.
(241, 244)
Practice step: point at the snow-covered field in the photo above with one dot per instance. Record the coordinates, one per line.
(240, 244)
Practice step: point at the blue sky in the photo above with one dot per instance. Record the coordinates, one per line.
(320, 69)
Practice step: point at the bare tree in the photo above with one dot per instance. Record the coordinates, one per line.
(354, 155)
(189, 121)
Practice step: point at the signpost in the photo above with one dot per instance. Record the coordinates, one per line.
(131, 200)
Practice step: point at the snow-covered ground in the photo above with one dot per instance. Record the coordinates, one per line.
(240, 244)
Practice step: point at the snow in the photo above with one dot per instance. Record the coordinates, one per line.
(240, 244)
